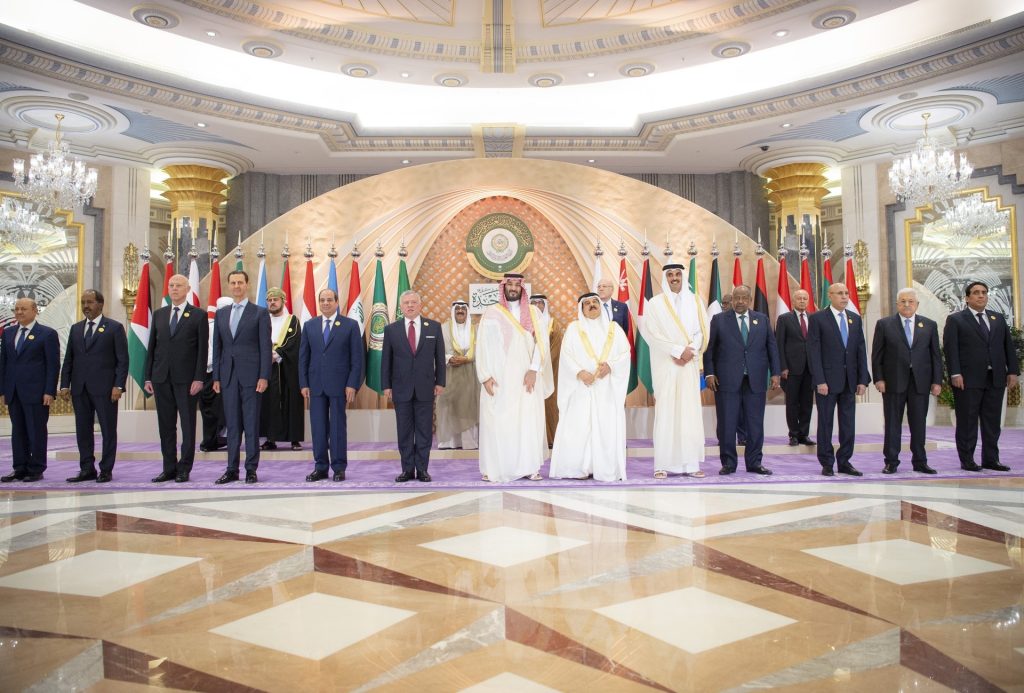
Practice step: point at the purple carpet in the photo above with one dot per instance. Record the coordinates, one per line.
(464, 473)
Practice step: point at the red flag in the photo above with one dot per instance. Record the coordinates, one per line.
(308, 295)
(214, 293)
(624, 297)
(286, 286)
(783, 302)
(851, 285)
(805, 284)
(737, 273)
(354, 305)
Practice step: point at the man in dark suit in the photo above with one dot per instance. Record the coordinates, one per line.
(741, 355)
(982, 363)
(791, 336)
(331, 360)
(412, 374)
(907, 365)
(837, 355)
(93, 376)
(29, 365)
(175, 368)
(615, 311)
(241, 370)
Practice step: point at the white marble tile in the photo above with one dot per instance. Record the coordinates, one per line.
(96, 573)
(911, 491)
(693, 619)
(9, 530)
(503, 546)
(313, 626)
(308, 508)
(904, 562)
(1001, 524)
(507, 682)
(699, 504)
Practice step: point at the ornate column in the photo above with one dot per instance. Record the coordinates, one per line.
(196, 193)
(797, 190)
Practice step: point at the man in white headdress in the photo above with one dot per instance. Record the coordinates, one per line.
(549, 327)
(458, 407)
(675, 326)
(591, 437)
(514, 369)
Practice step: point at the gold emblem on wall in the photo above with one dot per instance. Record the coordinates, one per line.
(499, 243)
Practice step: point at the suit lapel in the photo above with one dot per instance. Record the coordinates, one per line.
(982, 332)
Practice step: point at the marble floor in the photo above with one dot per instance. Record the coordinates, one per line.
(816, 586)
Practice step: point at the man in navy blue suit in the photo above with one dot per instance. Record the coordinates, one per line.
(837, 356)
(740, 357)
(412, 374)
(241, 370)
(30, 357)
(93, 376)
(615, 311)
(331, 360)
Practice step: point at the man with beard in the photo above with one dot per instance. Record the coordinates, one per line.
(591, 437)
(283, 417)
(549, 327)
(514, 369)
(675, 326)
(458, 407)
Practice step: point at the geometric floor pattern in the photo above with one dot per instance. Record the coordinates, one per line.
(909, 585)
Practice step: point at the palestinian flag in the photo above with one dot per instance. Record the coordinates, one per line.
(138, 334)
(643, 352)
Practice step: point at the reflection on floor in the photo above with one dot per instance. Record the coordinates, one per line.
(802, 586)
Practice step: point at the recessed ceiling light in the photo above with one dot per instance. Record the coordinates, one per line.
(200, 125)
(591, 74)
(211, 33)
(781, 32)
(405, 161)
(787, 125)
(405, 75)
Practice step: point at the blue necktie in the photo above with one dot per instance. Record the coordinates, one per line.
(21, 340)
(327, 330)
(236, 315)
(174, 321)
(843, 330)
(907, 331)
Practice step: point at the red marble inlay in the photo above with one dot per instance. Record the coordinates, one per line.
(921, 657)
(931, 518)
(112, 522)
(124, 664)
(534, 507)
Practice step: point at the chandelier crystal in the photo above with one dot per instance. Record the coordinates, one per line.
(930, 174)
(54, 179)
(20, 226)
(973, 217)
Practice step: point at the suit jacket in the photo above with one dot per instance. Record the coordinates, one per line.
(32, 373)
(831, 363)
(970, 352)
(727, 355)
(179, 358)
(792, 343)
(620, 314)
(247, 356)
(892, 358)
(408, 375)
(99, 366)
(328, 368)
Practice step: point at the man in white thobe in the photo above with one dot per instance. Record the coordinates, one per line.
(514, 369)
(675, 326)
(458, 407)
(592, 382)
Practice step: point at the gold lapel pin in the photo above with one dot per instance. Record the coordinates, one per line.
(991, 317)
(337, 323)
(920, 324)
(31, 336)
(754, 321)
(184, 315)
(849, 320)
(100, 330)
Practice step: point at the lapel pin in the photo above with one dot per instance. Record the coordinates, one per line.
(920, 324)
(31, 336)
(754, 321)
(991, 317)
(100, 330)
(184, 315)
(849, 320)
(290, 330)
(337, 323)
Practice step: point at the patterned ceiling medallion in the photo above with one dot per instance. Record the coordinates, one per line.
(262, 49)
(945, 110)
(636, 69)
(545, 79)
(155, 16)
(833, 19)
(359, 70)
(732, 49)
(451, 79)
(39, 111)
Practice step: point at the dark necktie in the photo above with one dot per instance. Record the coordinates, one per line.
(983, 323)
(803, 324)
(327, 329)
(88, 331)
(744, 332)
(412, 337)
(174, 321)
(21, 340)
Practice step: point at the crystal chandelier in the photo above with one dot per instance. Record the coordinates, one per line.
(55, 180)
(929, 174)
(20, 226)
(973, 217)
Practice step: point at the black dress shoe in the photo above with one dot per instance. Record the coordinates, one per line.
(29, 478)
(403, 477)
(827, 471)
(181, 478)
(924, 469)
(203, 447)
(81, 476)
(889, 468)
(251, 478)
(996, 467)
(164, 476)
(316, 476)
(269, 445)
(424, 477)
(339, 476)
(849, 469)
(805, 441)
(13, 476)
(296, 446)
(104, 478)
(969, 467)
(725, 471)
(742, 442)
(793, 442)
(227, 478)
(760, 470)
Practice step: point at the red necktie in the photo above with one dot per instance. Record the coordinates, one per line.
(412, 336)
(803, 325)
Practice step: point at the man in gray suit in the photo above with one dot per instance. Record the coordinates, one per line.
(241, 370)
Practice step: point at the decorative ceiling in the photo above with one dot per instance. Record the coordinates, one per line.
(649, 86)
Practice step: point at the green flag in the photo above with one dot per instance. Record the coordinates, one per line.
(378, 321)
(403, 285)
(693, 276)
(643, 352)
(715, 291)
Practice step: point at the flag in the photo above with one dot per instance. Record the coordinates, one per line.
(693, 290)
(737, 273)
(403, 285)
(378, 321)
(354, 305)
(597, 272)
(308, 307)
(783, 302)
(168, 273)
(214, 292)
(643, 352)
(193, 282)
(332, 276)
(138, 335)
(286, 286)
(624, 297)
(760, 289)
(826, 281)
(714, 291)
(805, 284)
(261, 284)
(851, 284)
